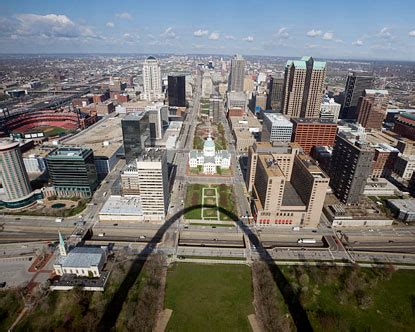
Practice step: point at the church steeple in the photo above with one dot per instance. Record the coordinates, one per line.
(62, 245)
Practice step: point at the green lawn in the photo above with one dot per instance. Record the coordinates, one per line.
(209, 297)
(194, 197)
(355, 299)
(73, 310)
(11, 304)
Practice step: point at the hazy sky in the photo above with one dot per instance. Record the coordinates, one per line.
(359, 29)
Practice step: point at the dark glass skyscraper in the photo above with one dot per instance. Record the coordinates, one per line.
(72, 171)
(355, 85)
(177, 90)
(135, 134)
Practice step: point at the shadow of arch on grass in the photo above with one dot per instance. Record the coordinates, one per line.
(113, 309)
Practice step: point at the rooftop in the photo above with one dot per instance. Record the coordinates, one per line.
(68, 152)
(313, 121)
(271, 166)
(404, 205)
(152, 154)
(80, 257)
(123, 205)
(108, 129)
(278, 119)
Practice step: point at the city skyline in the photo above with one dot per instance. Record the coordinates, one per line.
(357, 31)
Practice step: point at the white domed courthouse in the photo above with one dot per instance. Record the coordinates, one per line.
(209, 158)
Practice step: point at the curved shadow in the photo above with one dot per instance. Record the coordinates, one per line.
(291, 298)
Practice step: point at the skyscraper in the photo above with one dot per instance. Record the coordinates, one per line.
(297, 200)
(135, 134)
(158, 119)
(371, 108)
(355, 85)
(207, 85)
(351, 164)
(153, 183)
(72, 171)
(237, 74)
(275, 88)
(152, 79)
(177, 90)
(303, 87)
(12, 170)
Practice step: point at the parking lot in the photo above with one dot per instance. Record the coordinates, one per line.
(14, 271)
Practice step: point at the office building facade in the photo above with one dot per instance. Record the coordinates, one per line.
(237, 74)
(329, 109)
(275, 93)
(276, 128)
(177, 90)
(13, 173)
(135, 134)
(72, 171)
(297, 201)
(351, 165)
(303, 87)
(207, 85)
(282, 153)
(153, 183)
(371, 108)
(356, 83)
(152, 80)
(313, 132)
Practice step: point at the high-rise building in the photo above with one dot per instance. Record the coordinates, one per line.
(237, 74)
(329, 109)
(371, 108)
(153, 183)
(177, 90)
(351, 165)
(283, 153)
(276, 128)
(275, 88)
(152, 79)
(158, 119)
(207, 85)
(13, 173)
(214, 108)
(313, 132)
(129, 179)
(311, 184)
(356, 83)
(303, 87)
(72, 171)
(298, 200)
(135, 134)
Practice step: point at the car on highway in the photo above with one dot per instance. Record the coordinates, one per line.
(141, 237)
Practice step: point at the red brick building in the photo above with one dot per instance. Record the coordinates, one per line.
(371, 108)
(313, 132)
(405, 125)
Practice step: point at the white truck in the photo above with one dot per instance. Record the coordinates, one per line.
(58, 219)
(296, 228)
(307, 241)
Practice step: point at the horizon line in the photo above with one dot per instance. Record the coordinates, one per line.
(199, 54)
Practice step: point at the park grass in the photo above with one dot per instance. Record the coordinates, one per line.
(11, 304)
(209, 297)
(194, 198)
(74, 310)
(355, 299)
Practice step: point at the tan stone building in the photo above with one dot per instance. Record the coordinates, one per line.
(287, 188)
(303, 87)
